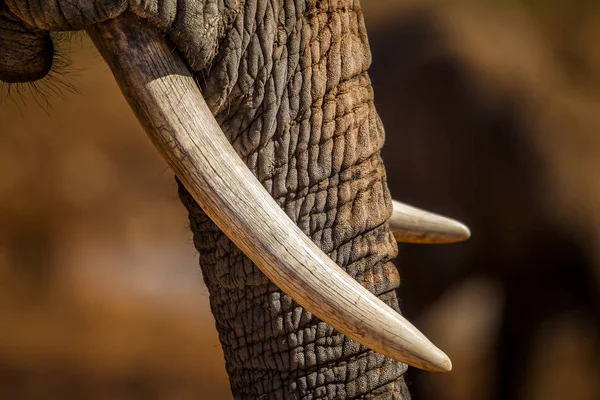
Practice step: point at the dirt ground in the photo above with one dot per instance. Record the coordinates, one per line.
(100, 293)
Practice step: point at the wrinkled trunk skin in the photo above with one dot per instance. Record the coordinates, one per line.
(290, 89)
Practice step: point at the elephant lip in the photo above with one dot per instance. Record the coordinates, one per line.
(164, 96)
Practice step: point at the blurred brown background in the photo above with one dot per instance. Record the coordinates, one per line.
(492, 115)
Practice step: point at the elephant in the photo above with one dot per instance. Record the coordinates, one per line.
(265, 111)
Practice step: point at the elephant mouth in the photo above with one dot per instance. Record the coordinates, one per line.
(166, 100)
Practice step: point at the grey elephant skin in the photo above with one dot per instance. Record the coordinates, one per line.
(288, 83)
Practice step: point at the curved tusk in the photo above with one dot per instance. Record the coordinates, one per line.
(164, 96)
(413, 225)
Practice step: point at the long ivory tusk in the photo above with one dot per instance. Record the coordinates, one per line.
(413, 225)
(164, 96)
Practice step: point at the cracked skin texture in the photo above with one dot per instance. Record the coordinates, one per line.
(288, 83)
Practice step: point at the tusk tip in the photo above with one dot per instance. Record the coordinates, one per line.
(423, 354)
(460, 233)
(445, 365)
(413, 225)
(438, 362)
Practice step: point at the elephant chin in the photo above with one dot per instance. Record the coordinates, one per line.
(165, 98)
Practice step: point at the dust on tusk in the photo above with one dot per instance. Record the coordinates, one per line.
(413, 225)
(164, 96)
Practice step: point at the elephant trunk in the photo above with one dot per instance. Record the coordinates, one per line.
(298, 108)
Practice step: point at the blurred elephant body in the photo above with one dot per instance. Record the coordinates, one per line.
(288, 83)
(469, 137)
